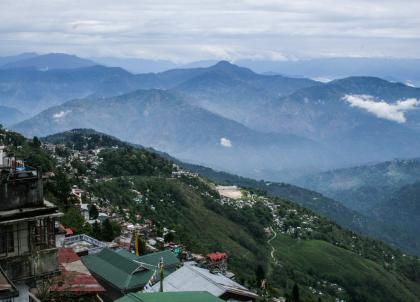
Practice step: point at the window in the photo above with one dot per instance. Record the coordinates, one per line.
(43, 234)
(7, 242)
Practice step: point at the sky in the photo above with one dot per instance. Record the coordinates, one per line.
(184, 31)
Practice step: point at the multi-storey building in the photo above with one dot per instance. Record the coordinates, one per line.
(28, 249)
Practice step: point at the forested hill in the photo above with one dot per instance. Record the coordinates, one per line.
(84, 139)
(307, 249)
(376, 227)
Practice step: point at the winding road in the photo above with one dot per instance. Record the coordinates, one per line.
(273, 249)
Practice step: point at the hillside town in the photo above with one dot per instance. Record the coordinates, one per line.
(43, 260)
(90, 248)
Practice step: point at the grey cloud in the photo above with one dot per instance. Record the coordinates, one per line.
(212, 29)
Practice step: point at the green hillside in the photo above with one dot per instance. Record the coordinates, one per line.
(372, 225)
(189, 207)
(307, 249)
(346, 274)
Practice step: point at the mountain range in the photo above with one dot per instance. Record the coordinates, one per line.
(45, 62)
(225, 116)
(10, 116)
(165, 121)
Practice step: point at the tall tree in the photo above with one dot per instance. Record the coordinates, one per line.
(107, 231)
(93, 212)
(259, 275)
(295, 293)
(36, 142)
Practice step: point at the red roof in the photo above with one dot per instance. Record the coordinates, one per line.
(69, 232)
(217, 256)
(74, 276)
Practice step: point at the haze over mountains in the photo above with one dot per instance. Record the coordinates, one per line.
(230, 118)
(387, 192)
(226, 116)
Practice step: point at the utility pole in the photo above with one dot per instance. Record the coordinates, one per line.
(161, 274)
(136, 243)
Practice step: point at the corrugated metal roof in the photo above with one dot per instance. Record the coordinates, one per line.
(125, 270)
(199, 296)
(193, 278)
(74, 275)
(121, 272)
(169, 258)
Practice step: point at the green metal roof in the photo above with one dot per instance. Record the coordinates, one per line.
(125, 270)
(169, 258)
(170, 297)
(121, 272)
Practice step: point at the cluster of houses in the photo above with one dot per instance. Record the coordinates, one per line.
(41, 260)
(89, 157)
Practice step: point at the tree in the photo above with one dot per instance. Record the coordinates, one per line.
(259, 275)
(36, 142)
(96, 231)
(62, 188)
(110, 230)
(142, 246)
(107, 231)
(93, 212)
(74, 220)
(295, 293)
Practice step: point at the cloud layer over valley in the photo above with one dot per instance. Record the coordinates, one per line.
(381, 109)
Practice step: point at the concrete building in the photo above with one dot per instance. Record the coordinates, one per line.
(27, 224)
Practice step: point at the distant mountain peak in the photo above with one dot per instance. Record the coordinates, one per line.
(224, 63)
(227, 66)
(363, 80)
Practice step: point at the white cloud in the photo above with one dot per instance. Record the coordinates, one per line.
(225, 142)
(60, 115)
(393, 112)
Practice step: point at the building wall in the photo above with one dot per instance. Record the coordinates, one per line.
(15, 194)
(34, 253)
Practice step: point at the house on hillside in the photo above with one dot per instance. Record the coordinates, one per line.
(121, 272)
(193, 278)
(170, 297)
(75, 281)
(27, 225)
(217, 262)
